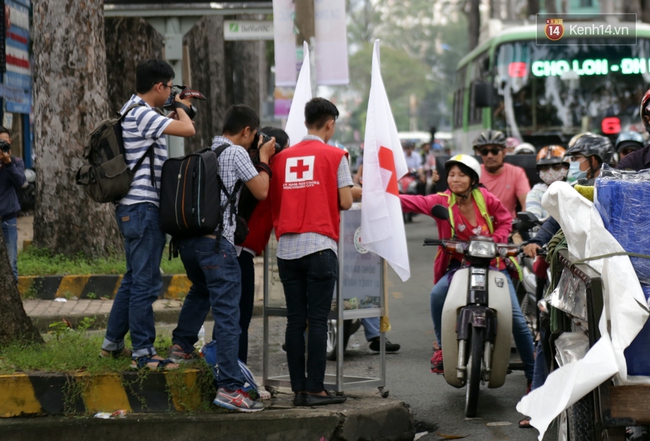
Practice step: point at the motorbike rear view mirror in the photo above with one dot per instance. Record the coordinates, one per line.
(440, 212)
(527, 218)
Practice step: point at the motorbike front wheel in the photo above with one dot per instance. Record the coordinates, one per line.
(474, 372)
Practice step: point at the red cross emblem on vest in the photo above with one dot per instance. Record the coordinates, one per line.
(300, 169)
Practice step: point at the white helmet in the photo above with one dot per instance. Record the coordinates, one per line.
(525, 149)
(466, 160)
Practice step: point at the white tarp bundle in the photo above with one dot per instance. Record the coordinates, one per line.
(624, 306)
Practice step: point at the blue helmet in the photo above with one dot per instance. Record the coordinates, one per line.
(629, 140)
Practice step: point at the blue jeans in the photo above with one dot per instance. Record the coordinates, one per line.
(370, 327)
(521, 333)
(308, 284)
(216, 283)
(141, 285)
(10, 234)
(540, 374)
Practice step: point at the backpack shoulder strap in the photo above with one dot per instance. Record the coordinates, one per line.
(219, 150)
(149, 151)
(131, 107)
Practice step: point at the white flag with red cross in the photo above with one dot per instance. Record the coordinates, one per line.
(382, 224)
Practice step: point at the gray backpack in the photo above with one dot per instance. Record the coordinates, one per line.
(106, 177)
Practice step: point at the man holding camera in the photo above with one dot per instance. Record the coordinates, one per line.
(211, 261)
(12, 178)
(137, 213)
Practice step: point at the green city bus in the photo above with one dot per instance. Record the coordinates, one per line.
(546, 94)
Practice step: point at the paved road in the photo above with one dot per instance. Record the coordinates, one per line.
(438, 407)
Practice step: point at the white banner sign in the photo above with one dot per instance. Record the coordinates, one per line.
(247, 30)
(285, 43)
(331, 42)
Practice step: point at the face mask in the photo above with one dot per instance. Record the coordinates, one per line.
(575, 173)
(551, 175)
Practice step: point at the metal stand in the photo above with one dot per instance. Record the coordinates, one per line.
(360, 289)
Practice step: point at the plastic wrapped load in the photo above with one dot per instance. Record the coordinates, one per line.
(623, 201)
(637, 355)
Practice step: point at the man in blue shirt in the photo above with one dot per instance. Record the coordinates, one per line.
(12, 177)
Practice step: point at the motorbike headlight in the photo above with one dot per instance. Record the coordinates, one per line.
(479, 248)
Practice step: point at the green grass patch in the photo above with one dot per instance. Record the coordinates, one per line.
(67, 351)
(43, 262)
(75, 351)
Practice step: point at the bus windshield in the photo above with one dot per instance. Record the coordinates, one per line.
(557, 91)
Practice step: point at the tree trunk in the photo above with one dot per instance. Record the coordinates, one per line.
(227, 72)
(495, 9)
(208, 70)
(551, 6)
(473, 23)
(645, 11)
(632, 7)
(15, 325)
(70, 99)
(128, 40)
(243, 79)
(533, 7)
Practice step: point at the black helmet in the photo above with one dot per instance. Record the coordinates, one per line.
(590, 144)
(491, 137)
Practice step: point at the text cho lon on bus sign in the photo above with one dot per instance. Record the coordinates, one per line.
(570, 29)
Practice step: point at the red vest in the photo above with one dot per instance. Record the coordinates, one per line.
(259, 227)
(304, 189)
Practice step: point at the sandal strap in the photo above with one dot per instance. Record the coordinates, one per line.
(143, 362)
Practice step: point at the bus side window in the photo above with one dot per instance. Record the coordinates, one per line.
(458, 107)
(459, 98)
(477, 70)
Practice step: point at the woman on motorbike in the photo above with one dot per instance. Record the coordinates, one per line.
(551, 167)
(473, 211)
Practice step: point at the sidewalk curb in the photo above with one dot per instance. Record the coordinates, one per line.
(361, 417)
(82, 393)
(175, 286)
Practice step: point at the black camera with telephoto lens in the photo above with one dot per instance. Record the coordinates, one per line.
(255, 146)
(4, 146)
(183, 92)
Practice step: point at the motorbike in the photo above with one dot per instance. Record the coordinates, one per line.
(349, 328)
(27, 193)
(528, 284)
(476, 317)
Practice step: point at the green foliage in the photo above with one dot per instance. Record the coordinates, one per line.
(402, 75)
(421, 44)
(41, 261)
(67, 350)
(76, 351)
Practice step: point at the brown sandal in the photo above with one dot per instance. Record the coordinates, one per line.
(525, 423)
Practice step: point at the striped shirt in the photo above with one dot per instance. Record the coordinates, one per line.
(234, 165)
(141, 128)
(534, 200)
(297, 245)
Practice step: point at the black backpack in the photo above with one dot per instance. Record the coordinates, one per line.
(106, 177)
(190, 195)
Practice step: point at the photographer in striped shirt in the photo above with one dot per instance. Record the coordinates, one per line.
(143, 131)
